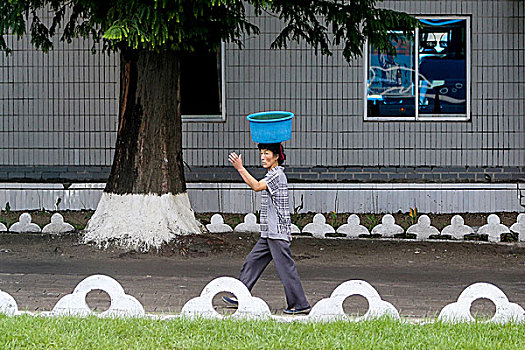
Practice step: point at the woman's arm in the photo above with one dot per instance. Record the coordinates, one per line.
(246, 176)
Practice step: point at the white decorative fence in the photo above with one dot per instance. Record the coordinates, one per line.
(387, 229)
(423, 230)
(250, 307)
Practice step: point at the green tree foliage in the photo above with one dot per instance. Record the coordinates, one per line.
(184, 25)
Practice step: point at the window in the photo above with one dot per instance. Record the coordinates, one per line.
(202, 86)
(436, 61)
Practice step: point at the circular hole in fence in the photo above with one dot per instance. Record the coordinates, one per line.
(222, 306)
(355, 305)
(483, 309)
(98, 300)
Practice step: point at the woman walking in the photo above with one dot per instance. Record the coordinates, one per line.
(275, 239)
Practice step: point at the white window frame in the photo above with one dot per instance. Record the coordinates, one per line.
(425, 117)
(213, 117)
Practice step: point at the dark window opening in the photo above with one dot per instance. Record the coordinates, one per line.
(201, 84)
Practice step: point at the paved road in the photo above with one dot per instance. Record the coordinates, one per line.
(418, 279)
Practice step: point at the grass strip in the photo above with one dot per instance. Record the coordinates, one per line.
(29, 332)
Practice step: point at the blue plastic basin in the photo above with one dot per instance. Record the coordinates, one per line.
(271, 127)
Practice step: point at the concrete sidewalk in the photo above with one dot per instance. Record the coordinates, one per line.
(419, 279)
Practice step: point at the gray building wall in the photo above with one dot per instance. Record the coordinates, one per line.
(57, 109)
(304, 197)
(326, 94)
(58, 112)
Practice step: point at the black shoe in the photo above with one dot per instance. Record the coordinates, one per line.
(294, 311)
(232, 302)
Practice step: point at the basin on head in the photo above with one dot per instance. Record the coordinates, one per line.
(271, 127)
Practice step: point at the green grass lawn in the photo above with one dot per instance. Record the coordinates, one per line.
(27, 332)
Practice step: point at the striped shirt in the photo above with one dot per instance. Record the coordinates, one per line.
(275, 209)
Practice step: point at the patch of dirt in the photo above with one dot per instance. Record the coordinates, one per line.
(206, 244)
(307, 250)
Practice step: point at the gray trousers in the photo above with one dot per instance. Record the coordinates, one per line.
(262, 253)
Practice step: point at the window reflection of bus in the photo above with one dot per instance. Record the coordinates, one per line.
(390, 105)
(441, 60)
(442, 67)
(394, 96)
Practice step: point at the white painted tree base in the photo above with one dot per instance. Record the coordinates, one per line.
(140, 221)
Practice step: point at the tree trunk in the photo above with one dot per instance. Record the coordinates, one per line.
(145, 203)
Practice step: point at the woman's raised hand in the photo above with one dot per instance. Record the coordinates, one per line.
(236, 160)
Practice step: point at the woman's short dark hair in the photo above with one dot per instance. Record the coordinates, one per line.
(276, 148)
